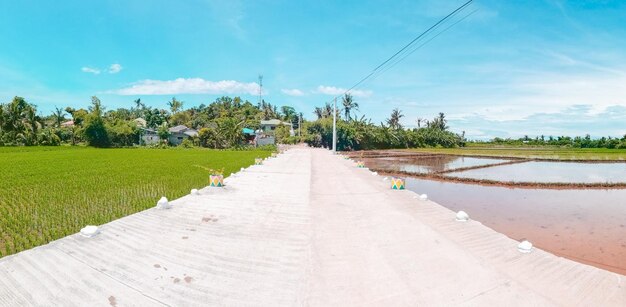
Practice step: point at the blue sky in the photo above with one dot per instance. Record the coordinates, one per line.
(509, 69)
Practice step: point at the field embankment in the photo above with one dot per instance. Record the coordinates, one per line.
(538, 153)
(49, 192)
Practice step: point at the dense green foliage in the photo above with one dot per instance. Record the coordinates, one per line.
(563, 141)
(50, 192)
(530, 152)
(362, 134)
(221, 123)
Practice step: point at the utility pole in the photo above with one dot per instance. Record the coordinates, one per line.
(300, 126)
(260, 89)
(335, 127)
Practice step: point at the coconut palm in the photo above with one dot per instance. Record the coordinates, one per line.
(328, 110)
(394, 120)
(175, 105)
(439, 122)
(58, 116)
(349, 105)
(319, 112)
(289, 113)
(419, 122)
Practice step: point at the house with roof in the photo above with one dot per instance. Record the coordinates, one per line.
(180, 133)
(268, 126)
(140, 122)
(69, 123)
(149, 136)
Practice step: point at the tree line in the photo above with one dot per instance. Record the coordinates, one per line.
(361, 133)
(562, 141)
(219, 124)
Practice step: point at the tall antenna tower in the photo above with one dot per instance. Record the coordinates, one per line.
(260, 89)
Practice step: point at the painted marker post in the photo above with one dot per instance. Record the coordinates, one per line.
(216, 181)
(397, 183)
(258, 161)
(360, 164)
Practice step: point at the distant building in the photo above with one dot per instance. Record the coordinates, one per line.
(141, 123)
(268, 126)
(69, 123)
(180, 133)
(249, 135)
(150, 136)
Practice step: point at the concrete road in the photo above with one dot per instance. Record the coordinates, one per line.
(304, 229)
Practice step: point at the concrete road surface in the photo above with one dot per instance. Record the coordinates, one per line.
(304, 229)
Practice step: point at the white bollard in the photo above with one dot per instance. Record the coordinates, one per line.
(163, 203)
(423, 197)
(194, 192)
(461, 216)
(374, 173)
(243, 169)
(386, 178)
(525, 247)
(89, 231)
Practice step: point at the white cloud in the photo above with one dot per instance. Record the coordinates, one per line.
(90, 70)
(331, 90)
(115, 68)
(576, 120)
(292, 92)
(188, 86)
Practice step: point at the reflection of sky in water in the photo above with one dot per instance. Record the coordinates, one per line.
(550, 172)
(583, 224)
(430, 164)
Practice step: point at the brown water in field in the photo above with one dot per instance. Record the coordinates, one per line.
(429, 164)
(587, 226)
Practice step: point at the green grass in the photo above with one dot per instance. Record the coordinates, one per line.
(547, 152)
(49, 192)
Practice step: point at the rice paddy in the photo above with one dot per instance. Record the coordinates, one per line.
(50, 192)
(545, 152)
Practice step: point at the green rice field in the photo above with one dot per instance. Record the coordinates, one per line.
(50, 192)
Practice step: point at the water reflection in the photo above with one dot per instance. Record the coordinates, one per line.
(546, 172)
(584, 225)
(428, 164)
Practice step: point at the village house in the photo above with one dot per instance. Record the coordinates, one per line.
(150, 136)
(268, 126)
(180, 133)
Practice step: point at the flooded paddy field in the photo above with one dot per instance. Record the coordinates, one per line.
(431, 164)
(549, 172)
(584, 225)
(588, 226)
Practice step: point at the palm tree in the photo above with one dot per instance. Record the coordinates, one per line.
(394, 120)
(289, 113)
(31, 125)
(2, 121)
(348, 105)
(439, 122)
(58, 116)
(319, 112)
(328, 110)
(175, 105)
(419, 122)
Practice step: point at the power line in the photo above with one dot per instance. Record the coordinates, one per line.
(421, 35)
(408, 53)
